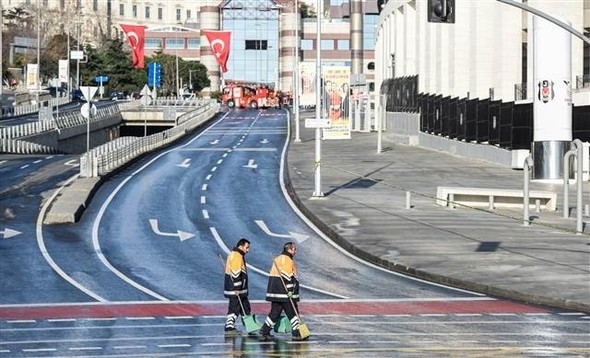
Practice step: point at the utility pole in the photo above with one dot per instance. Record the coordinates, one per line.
(318, 103)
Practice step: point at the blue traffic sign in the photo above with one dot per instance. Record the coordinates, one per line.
(154, 74)
(101, 79)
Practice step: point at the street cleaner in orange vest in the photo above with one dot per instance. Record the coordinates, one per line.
(236, 289)
(283, 293)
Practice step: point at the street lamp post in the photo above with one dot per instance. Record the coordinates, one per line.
(318, 103)
(296, 75)
(38, 49)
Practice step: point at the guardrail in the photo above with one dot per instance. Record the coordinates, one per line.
(65, 120)
(103, 159)
(21, 110)
(23, 147)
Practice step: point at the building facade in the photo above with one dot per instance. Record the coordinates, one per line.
(486, 53)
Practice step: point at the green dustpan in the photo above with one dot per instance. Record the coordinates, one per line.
(283, 325)
(251, 324)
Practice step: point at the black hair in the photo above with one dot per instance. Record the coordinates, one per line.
(242, 242)
(288, 246)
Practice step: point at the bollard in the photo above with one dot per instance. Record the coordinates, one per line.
(538, 205)
(408, 200)
(586, 209)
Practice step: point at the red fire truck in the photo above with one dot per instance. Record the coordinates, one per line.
(239, 96)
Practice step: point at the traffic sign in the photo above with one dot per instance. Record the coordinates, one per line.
(101, 79)
(88, 91)
(154, 74)
(86, 110)
(318, 123)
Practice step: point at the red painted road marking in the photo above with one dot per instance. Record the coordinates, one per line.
(346, 307)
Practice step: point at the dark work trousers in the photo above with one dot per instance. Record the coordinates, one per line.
(275, 312)
(235, 308)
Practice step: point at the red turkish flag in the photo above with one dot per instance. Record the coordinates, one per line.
(220, 44)
(136, 36)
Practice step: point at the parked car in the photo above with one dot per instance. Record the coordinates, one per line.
(56, 91)
(117, 96)
(78, 96)
(136, 95)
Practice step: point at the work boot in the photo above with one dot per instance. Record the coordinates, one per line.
(264, 334)
(232, 332)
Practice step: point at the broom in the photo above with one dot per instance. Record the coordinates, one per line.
(249, 321)
(303, 330)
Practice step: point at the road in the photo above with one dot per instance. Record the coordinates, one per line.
(140, 274)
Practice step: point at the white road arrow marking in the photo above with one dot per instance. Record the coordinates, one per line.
(185, 163)
(214, 142)
(251, 164)
(264, 141)
(8, 233)
(72, 163)
(299, 238)
(181, 234)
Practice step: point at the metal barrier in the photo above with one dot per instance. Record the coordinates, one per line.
(576, 151)
(103, 159)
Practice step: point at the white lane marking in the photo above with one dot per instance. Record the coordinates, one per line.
(103, 208)
(2, 162)
(182, 235)
(43, 248)
(130, 347)
(37, 161)
(251, 164)
(179, 317)
(219, 161)
(204, 187)
(225, 249)
(24, 166)
(214, 142)
(72, 163)
(327, 239)
(17, 321)
(208, 177)
(7, 233)
(299, 238)
(174, 345)
(205, 214)
(85, 348)
(146, 318)
(203, 200)
(32, 350)
(213, 169)
(185, 163)
(59, 320)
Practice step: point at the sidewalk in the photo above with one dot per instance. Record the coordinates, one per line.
(493, 252)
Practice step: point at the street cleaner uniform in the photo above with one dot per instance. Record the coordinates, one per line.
(283, 268)
(236, 284)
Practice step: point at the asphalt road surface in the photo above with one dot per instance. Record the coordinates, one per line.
(140, 274)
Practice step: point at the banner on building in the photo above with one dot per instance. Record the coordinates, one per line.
(220, 45)
(136, 37)
(336, 98)
(307, 84)
(32, 75)
(63, 71)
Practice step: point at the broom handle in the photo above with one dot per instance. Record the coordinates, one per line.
(286, 290)
(237, 294)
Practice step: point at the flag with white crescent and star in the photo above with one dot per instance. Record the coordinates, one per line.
(136, 36)
(220, 44)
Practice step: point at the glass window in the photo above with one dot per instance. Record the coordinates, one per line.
(45, 3)
(188, 14)
(256, 45)
(160, 13)
(147, 12)
(121, 9)
(178, 15)
(175, 43)
(153, 43)
(134, 11)
(95, 5)
(327, 45)
(194, 44)
(307, 44)
(62, 4)
(369, 25)
(343, 44)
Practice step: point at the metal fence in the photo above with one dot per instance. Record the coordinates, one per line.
(108, 157)
(504, 124)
